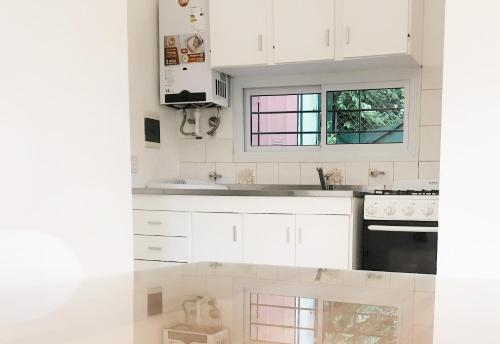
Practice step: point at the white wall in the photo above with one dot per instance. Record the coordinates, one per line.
(467, 300)
(65, 219)
(144, 96)
(197, 157)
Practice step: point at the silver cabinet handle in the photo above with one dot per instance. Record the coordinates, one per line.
(154, 222)
(300, 235)
(287, 235)
(327, 37)
(347, 35)
(260, 42)
(235, 233)
(155, 248)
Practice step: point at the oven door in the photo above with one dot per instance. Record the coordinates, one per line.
(400, 246)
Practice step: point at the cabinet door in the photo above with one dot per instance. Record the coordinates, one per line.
(374, 27)
(303, 30)
(323, 241)
(269, 239)
(238, 32)
(217, 237)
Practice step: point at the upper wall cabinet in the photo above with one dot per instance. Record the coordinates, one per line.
(239, 32)
(303, 30)
(371, 28)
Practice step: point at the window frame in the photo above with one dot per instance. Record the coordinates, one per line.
(271, 91)
(410, 78)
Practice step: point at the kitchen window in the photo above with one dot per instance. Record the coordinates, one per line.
(283, 319)
(285, 119)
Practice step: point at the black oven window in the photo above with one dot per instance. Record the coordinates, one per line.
(152, 130)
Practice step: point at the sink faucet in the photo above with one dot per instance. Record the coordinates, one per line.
(323, 178)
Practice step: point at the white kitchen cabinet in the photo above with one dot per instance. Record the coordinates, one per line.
(217, 237)
(322, 241)
(269, 239)
(164, 223)
(164, 249)
(303, 30)
(370, 28)
(239, 32)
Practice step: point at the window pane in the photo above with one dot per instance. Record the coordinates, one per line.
(309, 139)
(278, 122)
(307, 318)
(278, 139)
(382, 120)
(275, 103)
(255, 140)
(347, 121)
(309, 121)
(309, 102)
(276, 334)
(349, 138)
(382, 137)
(306, 337)
(275, 316)
(386, 98)
(277, 300)
(346, 100)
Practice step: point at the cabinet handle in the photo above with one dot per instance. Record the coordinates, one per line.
(300, 236)
(327, 37)
(154, 222)
(155, 248)
(235, 234)
(260, 42)
(288, 235)
(347, 35)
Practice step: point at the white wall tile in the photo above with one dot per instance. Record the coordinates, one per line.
(240, 173)
(219, 150)
(423, 309)
(308, 173)
(430, 109)
(430, 143)
(202, 170)
(401, 281)
(387, 168)
(228, 172)
(433, 32)
(428, 170)
(432, 77)
(425, 283)
(267, 173)
(289, 173)
(422, 334)
(405, 170)
(330, 166)
(357, 173)
(377, 279)
(191, 150)
(187, 169)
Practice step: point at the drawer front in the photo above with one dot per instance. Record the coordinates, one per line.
(166, 223)
(141, 265)
(161, 248)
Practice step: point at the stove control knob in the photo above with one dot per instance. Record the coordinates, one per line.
(408, 211)
(390, 210)
(371, 210)
(428, 211)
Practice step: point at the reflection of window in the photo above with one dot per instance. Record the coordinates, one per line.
(365, 116)
(285, 119)
(283, 319)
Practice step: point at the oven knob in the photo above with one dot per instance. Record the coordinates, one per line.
(428, 211)
(390, 210)
(371, 210)
(408, 211)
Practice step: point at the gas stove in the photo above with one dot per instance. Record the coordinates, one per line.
(399, 203)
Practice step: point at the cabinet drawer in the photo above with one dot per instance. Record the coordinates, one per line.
(161, 248)
(166, 223)
(141, 265)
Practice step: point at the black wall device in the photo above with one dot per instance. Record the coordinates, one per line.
(152, 130)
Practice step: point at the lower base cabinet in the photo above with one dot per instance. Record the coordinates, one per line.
(322, 241)
(217, 237)
(269, 239)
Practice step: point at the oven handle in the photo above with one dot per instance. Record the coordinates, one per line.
(419, 229)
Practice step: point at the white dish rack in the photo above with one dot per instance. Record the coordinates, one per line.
(185, 334)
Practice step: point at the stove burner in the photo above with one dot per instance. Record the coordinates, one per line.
(408, 192)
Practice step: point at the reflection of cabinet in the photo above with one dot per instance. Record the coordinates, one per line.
(371, 28)
(322, 241)
(238, 32)
(269, 239)
(303, 30)
(217, 237)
